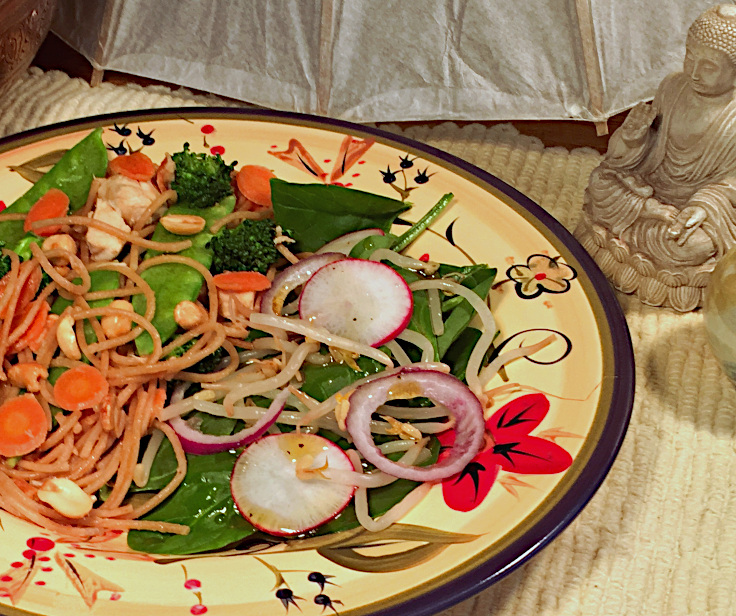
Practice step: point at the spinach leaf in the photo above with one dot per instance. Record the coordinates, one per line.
(320, 382)
(317, 213)
(202, 502)
(458, 354)
(175, 282)
(164, 464)
(72, 174)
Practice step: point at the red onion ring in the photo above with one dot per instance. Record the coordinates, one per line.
(442, 389)
(195, 442)
(293, 277)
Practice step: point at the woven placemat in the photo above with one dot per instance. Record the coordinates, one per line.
(659, 537)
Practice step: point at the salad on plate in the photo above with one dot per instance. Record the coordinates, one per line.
(197, 352)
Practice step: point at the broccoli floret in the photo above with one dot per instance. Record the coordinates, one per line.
(201, 180)
(211, 363)
(248, 247)
(4, 262)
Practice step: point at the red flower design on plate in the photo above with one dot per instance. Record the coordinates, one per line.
(509, 447)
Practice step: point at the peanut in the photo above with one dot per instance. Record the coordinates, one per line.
(115, 325)
(183, 224)
(66, 497)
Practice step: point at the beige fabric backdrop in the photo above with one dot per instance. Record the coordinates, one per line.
(659, 537)
(431, 59)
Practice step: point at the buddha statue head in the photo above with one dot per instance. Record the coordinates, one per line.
(710, 59)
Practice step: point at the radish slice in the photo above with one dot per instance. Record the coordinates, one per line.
(272, 301)
(274, 493)
(345, 243)
(196, 442)
(441, 388)
(365, 301)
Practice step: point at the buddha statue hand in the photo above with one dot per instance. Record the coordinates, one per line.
(637, 124)
(687, 222)
(656, 210)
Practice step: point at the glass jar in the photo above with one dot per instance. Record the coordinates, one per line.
(720, 312)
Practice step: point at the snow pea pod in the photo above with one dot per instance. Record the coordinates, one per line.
(72, 174)
(174, 282)
(100, 280)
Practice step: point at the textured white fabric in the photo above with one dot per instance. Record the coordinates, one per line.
(395, 60)
(659, 537)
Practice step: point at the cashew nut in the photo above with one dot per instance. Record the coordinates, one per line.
(67, 337)
(115, 325)
(66, 497)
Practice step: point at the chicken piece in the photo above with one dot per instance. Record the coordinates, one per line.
(102, 245)
(129, 197)
(236, 305)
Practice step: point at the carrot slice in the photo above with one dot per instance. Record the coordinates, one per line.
(3, 286)
(241, 282)
(81, 387)
(35, 332)
(254, 182)
(159, 401)
(23, 426)
(35, 343)
(53, 204)
(136, 166)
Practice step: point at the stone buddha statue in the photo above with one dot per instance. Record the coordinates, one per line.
(660, 210)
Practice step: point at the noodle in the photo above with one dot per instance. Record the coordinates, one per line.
(181, 466)
(386, 254)
(320, 334)
(74, 262)
(131, 238)
(239, 391)
(237, 217)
